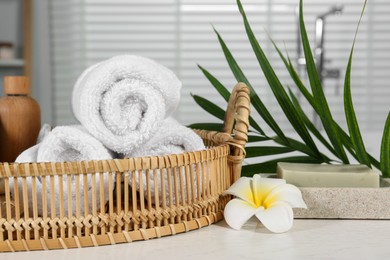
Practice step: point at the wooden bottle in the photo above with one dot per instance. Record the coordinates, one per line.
(20, 118)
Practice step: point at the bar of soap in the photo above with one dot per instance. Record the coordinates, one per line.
(326, 175)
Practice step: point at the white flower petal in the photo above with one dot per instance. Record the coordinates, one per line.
(242, 189)
(237, 212)
(278, 218)
(263, 186)
(287, 193)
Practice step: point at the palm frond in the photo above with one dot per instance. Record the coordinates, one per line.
(255, 99)
(318, 92)
(337, 141)
(294, 117)
(385, 149)
(353, 125)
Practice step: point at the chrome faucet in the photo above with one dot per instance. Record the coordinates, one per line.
(319, 43)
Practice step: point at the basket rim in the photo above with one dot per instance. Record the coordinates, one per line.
(112, 165)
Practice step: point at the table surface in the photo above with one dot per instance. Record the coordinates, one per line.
(308, 239)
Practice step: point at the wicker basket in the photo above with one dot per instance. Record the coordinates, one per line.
(181, 192)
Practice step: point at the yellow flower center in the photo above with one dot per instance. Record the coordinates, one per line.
(261, 199)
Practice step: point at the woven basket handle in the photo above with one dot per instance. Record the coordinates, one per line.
(237, 111)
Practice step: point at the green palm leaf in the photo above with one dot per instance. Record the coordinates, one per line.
(374, 162)
(280, 93)
(216, 83)
(255, 100)
(294, 75)
(210, 107)
(310, 125)
(300, 147)
(207, 126)
(338, 138)
(345, 139)
(318, 92)
(385, 149)
(256, 138)
(222, 90)
(270, 166)
(257, 151)
(350, 115)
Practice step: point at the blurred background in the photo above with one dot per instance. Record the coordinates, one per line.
(54, 41)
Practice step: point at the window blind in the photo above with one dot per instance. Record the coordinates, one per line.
(179, 34)
(68, 54)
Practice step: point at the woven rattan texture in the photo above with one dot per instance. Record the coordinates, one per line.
(94, 203)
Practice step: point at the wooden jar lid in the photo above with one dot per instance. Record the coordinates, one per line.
(16, 85)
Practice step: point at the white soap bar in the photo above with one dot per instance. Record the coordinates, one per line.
(326, 175)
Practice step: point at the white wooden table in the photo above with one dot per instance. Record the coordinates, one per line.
(308, 239)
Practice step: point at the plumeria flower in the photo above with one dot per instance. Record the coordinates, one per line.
(270, 200)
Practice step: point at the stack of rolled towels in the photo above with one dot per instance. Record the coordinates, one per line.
(124, 106)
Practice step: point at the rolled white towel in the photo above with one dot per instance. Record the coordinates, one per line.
(171, 138)
(66, 143)
(71, 143)
(123, 100)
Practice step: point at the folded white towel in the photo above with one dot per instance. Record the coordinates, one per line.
(29, 155)
(66, 143)
(171, 138)
(123, 100)
(71, 143)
